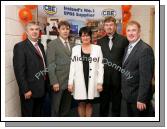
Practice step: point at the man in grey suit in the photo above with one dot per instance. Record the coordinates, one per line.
(139, 62)
(58, 60)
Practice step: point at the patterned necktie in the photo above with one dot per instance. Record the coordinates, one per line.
(66, 46)
(110, 42)
(128, 52)
(37, 48)
(39, 53)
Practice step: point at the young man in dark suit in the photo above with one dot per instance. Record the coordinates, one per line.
(112, 45)
(29, 68)
(139, 62)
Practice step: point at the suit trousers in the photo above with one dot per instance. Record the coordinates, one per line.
(132, 110)
(31, 107)
(60, 103)
(111, 93)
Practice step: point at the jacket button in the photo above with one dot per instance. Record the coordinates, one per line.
(89, 76)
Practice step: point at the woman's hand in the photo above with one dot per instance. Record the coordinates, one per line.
(70, 88)
(99, 88)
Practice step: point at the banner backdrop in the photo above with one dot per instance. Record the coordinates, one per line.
(81, 15)
(80, 12)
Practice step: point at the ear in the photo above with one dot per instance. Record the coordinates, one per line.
(139, 31)
(58, 30)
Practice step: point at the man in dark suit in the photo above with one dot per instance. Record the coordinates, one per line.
(112, 46)
(139, 62)
(29, 68)
(58, 54)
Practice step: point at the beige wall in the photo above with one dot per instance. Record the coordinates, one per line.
(141, 14)
(13, 32)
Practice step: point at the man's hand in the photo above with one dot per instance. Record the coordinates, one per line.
(56, 87)
(141, 106)
(70, 88)
(99, 88)
(28, 95)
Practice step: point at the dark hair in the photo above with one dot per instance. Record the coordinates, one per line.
(63, 23)
(85, 30)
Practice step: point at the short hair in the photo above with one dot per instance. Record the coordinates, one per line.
(134, 23)
(30, 24)
(110, 19)
(63, 23)
(85, 30)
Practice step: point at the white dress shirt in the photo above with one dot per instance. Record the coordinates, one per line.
(130, 48)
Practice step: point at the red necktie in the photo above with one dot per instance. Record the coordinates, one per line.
(39, 53)
(37, 48)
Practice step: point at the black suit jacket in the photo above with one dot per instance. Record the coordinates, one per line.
(115, 56)
(28, 68)
(140, 66)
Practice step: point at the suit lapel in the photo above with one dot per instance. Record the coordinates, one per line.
(126, 49)
(106, 47)
(80, 63)
(71, 46)
(32, 48)
(132, 52)
(63, 47)
(42, 50)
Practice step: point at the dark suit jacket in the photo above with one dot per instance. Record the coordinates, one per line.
(27, 64)
(140, 65)
(115, 56)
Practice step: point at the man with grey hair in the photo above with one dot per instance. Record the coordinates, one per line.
(29, 68)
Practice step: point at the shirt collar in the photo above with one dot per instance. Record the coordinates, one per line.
(112, 36)
(134, 43)
(33, 42)
(63, 41)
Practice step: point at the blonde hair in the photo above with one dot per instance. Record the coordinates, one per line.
(134, 23)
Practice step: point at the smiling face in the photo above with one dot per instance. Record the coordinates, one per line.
(33, 32)
(85, 34)
(85, 38)
(132, 32)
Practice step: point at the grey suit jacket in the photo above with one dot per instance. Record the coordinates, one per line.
(58, 61)
(138, 73)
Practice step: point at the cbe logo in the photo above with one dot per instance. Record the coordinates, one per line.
(108, 12)
(50, 9)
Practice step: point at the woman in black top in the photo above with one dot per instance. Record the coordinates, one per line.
(85, 107)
